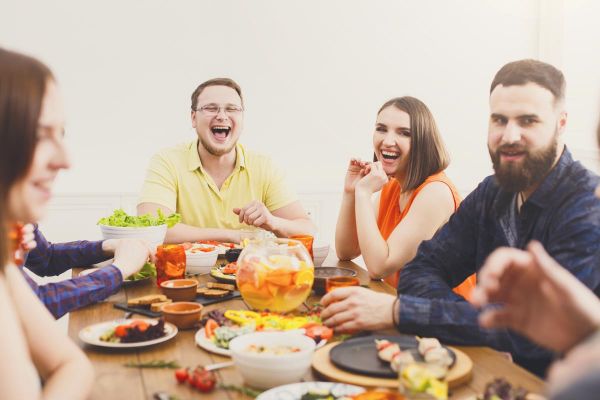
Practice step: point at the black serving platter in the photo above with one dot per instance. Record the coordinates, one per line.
(359, 355)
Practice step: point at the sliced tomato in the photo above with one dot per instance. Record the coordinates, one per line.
(121, 330)
(209, 328)
(211, 242)
(141, 325)
(230, 268)
(315, 330)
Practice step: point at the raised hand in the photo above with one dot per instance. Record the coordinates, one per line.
(533, 295)
(28, 242)
(374, 179)
(356, 170)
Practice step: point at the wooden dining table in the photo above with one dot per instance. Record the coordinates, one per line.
(115, 381)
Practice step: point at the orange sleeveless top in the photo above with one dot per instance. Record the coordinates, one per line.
(389, 217)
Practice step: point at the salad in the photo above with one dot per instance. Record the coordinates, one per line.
(120, 218)
(147, 271)
(135, 331)
(221, 327)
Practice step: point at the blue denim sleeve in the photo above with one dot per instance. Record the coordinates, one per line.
(51, 259)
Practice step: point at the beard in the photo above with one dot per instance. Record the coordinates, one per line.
(516, 177)
(216, 151)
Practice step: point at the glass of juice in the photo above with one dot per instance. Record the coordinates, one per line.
(307, 241)
(335, 282)
(170, 262)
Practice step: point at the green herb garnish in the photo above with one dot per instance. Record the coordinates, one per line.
(154, 364)
(240, 389)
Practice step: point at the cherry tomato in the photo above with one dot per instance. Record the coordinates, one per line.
(205, 381)
(182, 375)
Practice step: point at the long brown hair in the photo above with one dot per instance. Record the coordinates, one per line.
(427, 154)
(23, 81)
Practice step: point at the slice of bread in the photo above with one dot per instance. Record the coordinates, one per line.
(202, 290)
(215, 293)
(216, 285)
(157, 307)
(146, 300)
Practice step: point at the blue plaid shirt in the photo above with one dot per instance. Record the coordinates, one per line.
(563, 214)
(51, 259)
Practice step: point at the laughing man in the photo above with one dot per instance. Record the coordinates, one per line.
(217, 185)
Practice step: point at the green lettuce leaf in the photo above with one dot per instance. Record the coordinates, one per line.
(122, 219)
(147, 271)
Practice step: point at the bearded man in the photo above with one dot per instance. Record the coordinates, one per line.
(538, 192)
(216, 184)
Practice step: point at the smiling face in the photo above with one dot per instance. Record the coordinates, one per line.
(525, 134)
(28, 198)
(218, 133)
(391, 140)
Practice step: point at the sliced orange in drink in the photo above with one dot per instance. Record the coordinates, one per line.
(281, 277)
(258, 298)
(304, 277)
(273, 289)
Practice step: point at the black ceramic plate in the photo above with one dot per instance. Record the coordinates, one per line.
(217, 273)
(359, 355)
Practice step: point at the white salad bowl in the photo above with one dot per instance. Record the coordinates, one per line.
(154, 235)
(264, 370)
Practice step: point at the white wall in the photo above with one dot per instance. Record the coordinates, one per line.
(314, 74)
(581, 65)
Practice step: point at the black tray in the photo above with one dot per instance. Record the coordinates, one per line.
(138, 310)
(205, 301)
(359, 355)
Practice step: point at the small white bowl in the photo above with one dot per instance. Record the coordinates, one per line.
(265, 371)
(200, 263)
(154, 235)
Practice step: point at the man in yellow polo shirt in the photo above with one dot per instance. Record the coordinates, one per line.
(217, 185)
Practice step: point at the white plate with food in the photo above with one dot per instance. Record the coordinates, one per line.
(208, 345)
(222, 247)
(103, 333)
(294, 391)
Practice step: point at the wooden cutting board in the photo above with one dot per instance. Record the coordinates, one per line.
(458, 375)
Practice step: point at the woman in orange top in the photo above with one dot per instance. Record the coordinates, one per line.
(413, 197)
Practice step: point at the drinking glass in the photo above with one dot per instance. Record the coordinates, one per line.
(335, 282)
(170, 262)
(307, 241)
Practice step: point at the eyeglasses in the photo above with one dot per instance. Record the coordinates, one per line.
(213, 109)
